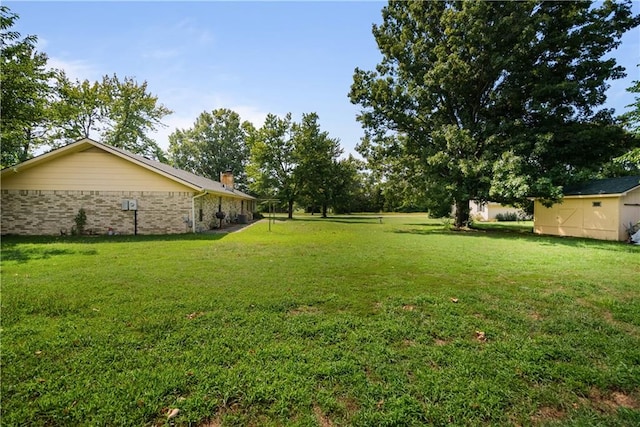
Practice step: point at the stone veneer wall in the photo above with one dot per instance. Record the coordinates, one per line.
(209, 205)
(47, 212)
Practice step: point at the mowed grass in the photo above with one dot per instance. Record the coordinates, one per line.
(327, 322)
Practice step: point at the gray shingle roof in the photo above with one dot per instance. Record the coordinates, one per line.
(204, 184)
(603, 186)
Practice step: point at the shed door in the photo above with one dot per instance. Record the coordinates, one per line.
(571, 217)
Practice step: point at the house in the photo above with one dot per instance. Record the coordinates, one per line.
(599, 209)
(487, 211)
(120, 192)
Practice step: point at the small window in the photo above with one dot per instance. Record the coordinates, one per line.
(200, 215)
(597, 204)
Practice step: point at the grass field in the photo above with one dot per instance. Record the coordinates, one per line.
(327, 322)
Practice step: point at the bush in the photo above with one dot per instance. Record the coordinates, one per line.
(80, 220)
(507, 216)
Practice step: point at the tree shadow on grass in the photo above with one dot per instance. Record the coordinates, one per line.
(22, 255)
(27, 248)
(516, 234)
(8, 241)
(342, 220)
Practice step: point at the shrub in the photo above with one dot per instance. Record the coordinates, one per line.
(507, 216)
(80, 220)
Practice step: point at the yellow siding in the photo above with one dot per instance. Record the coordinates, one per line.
(92, 169)
(580, 218)
(629, 211)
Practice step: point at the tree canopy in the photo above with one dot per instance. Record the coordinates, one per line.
(216, 142)
(630, 161)
(318, 168)
(493, 100)
(298, 163)
(42, 108)
(274, 161)
(24, 82)
(118, 112)
(132, 113)
(78, 110)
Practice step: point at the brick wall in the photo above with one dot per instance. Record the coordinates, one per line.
(47, 212)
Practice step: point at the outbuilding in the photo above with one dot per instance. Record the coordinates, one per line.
(120, 192)
(603, 209)
(491, 211)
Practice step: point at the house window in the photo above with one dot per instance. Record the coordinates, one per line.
(596, 204)
(200, 215)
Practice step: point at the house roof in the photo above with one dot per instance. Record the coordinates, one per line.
(189, 179)
(621, 185)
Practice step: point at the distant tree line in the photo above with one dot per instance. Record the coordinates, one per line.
(472, 100)
(295, 163)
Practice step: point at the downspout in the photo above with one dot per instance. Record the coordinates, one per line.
(193, 210)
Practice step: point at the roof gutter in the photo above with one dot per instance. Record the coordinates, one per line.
(193, 209)
(594, 196)
(586, 196)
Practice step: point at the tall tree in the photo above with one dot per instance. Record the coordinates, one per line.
(317, 169)
(274, 161)
(80, 110)
(216, 142)
(400, 176)
(24, 82)
(118, 112)
(630, 161)
(133, 112)
(351, 192)
(496, 99)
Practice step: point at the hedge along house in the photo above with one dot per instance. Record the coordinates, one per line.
(600, 209)
(120, 192)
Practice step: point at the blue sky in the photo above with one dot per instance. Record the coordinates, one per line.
(252, 57)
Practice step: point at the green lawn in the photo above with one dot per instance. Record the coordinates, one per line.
(341, 321)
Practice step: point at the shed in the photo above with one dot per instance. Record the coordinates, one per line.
(120, 192)
(599, 209)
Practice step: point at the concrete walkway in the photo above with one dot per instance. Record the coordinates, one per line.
(231, 228)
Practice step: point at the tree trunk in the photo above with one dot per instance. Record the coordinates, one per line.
(324, 210)
(290, 209)
(462, 213)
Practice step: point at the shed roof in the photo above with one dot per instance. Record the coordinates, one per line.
(620, 185)
(192, 180)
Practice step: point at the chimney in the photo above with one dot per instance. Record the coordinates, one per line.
(226, 179)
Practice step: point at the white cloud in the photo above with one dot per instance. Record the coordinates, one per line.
(75, 69)
(251, 114)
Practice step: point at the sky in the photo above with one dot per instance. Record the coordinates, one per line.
(252, 57)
